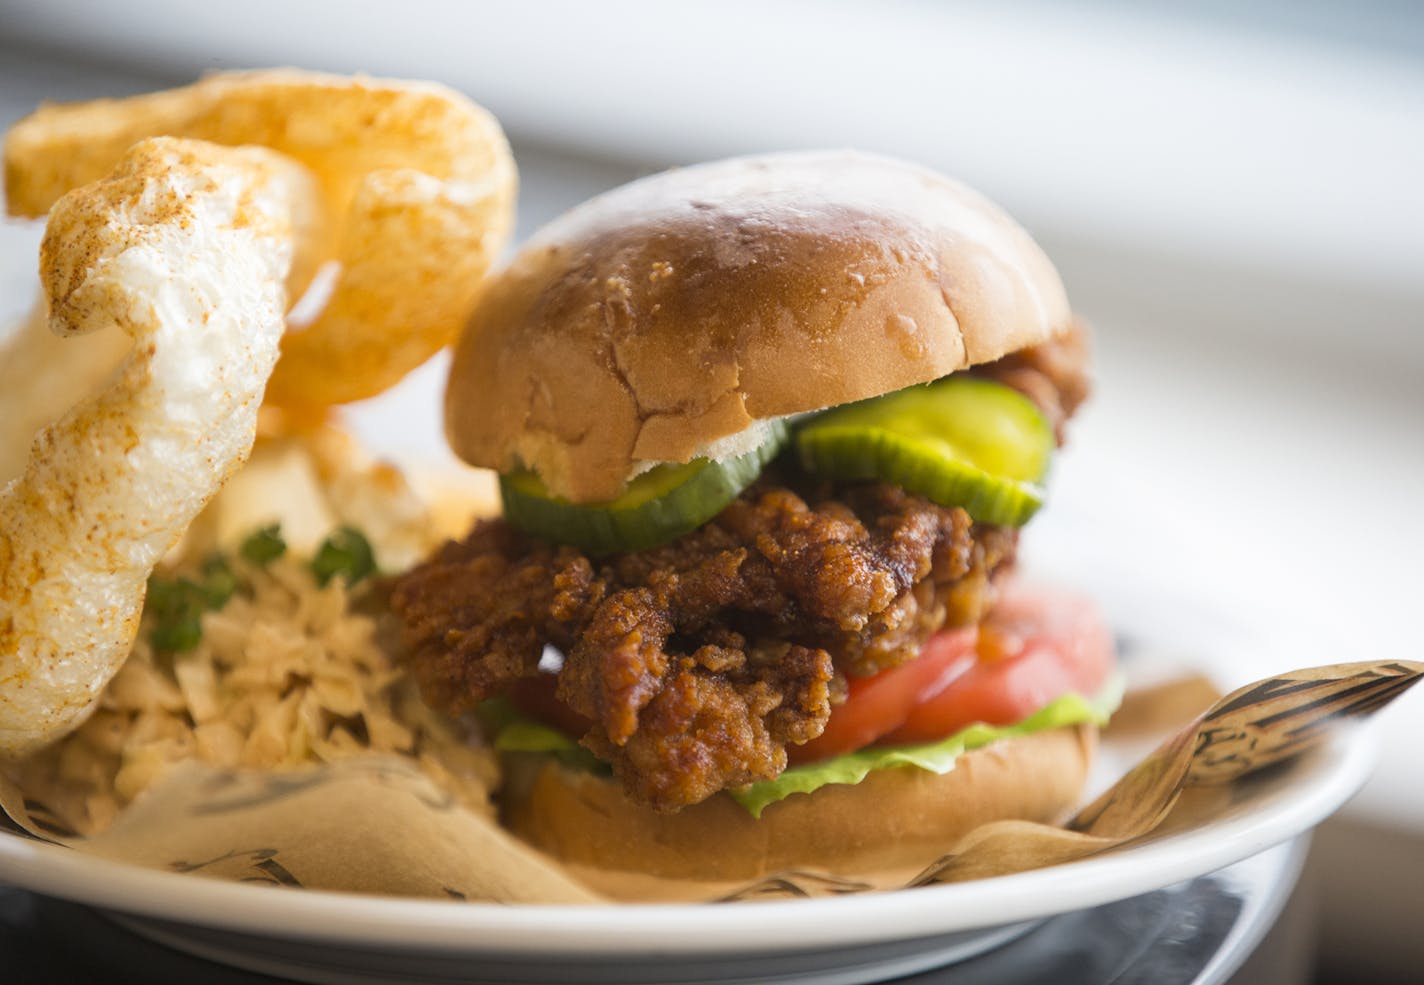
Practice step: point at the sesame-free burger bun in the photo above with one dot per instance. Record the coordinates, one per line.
(895, 818)
(681, 308)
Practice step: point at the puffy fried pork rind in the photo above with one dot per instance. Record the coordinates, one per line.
(185, 247)
(418, 184)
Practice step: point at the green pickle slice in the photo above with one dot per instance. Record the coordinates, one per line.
(959, 441)
(660, 505)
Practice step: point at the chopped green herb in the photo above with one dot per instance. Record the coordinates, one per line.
(218, 581)
(178, 636)
(347, 553)
(177, 608)
(176, 605)
(263, 546)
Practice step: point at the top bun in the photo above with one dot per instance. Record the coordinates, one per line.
(682, 308)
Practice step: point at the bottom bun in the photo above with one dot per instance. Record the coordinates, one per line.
(892, 819)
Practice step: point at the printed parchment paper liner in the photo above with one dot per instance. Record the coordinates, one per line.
(379, 826)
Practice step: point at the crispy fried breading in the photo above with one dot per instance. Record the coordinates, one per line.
(720, 717)
(699, 661)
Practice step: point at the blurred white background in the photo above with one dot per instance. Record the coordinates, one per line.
(1231, 190)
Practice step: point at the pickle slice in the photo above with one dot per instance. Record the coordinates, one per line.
(960, 441)
(660, 505)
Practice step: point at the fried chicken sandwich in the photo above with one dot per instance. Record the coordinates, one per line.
(767, 431)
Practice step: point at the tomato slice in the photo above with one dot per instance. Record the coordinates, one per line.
(877, 705)
(1035, 646)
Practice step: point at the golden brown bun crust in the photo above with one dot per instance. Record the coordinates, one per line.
(892, 819)
(680, 308)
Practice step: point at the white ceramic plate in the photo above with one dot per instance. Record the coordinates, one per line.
(328, 937)
(334, 937)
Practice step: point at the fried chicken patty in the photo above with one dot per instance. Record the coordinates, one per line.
(699, 661)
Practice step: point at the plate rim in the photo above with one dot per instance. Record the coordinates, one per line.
(1338, 770)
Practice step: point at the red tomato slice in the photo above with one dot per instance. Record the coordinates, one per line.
(876, 706)
(1034, 647)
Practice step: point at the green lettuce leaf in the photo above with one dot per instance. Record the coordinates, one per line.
(527, 735)
(516, 733)
(937, 757)
(519, 734)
